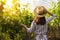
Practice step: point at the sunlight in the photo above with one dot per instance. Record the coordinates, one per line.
(34, 3)
(9, 3)
(10, 6)
(0, 3)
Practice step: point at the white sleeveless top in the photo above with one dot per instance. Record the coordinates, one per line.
(40, 29)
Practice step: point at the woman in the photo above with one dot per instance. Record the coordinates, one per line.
(40, 24)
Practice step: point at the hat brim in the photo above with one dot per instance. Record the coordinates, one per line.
(40, 15)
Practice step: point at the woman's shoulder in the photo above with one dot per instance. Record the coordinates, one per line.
(33, 22)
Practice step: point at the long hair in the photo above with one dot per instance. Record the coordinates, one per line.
(40, 20)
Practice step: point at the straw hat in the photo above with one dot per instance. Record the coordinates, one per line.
(40, 11)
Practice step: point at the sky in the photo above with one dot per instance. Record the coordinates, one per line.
(34, 3)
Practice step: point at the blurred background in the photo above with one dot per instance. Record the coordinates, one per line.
(14, 12)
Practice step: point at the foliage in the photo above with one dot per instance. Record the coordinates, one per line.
(11, 16)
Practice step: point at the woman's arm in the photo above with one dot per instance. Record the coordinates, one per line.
(32, 28)
(49, 13)
(24, 26)
(51, 17)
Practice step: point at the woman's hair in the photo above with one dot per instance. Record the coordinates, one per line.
(40, 20)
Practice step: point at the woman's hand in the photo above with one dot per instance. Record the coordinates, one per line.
(49, 13)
